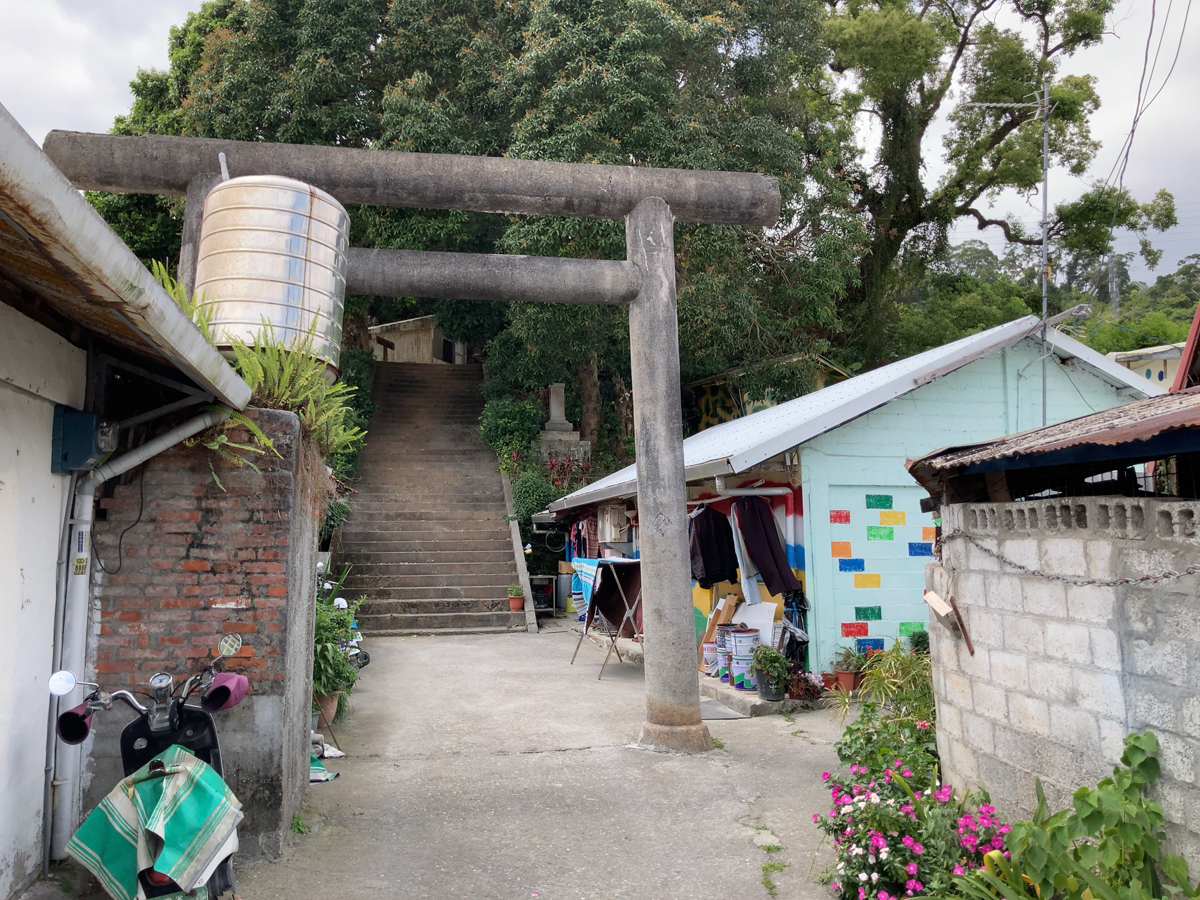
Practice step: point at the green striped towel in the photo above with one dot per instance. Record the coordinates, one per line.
(175, 822)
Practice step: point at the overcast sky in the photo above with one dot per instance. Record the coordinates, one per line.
(67, 64)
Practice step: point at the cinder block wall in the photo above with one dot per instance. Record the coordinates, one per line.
(202, 562)
(1062, 672)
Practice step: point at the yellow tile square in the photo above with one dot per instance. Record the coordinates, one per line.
(928, 533)
(891, 517)
(839, 549)
(863, 580)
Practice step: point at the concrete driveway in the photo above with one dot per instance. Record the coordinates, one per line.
(485, 766)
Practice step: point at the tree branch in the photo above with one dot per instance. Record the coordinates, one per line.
(985, 222)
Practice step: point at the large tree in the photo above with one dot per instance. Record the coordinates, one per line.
(905, 63)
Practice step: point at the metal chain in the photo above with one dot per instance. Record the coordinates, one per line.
(1065, 579)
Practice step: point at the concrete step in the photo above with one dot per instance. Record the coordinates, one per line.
(440, 621)
(380, 593)
(434, 605)
(429, 578)
(365, 551)
(422, 533)
(451, 556)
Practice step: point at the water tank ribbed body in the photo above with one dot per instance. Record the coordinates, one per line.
(274, 248)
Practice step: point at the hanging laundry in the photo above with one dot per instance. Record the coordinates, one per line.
(714, 558)
(746, 570)
(760, 533)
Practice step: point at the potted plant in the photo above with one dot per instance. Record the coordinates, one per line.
(847, 668)
(771, 673)
(516, 597)
(333, 672)
(919, 640)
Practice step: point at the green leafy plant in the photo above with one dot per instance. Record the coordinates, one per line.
(509, 427)
(193, 307)
(850, 660)
(1108, 846)
(336, 512)
(919, 641)
(332, 669)
(774, 666)
(298, 826)
(515, 590)
(876, 743)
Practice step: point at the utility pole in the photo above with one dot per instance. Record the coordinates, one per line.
(1114, 292)
(1045, 110)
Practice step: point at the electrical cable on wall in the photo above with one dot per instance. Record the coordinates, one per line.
(121, 536)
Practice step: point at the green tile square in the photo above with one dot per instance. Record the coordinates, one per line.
(879, 501)
(868, 613)
(881, 533)
(909, 628)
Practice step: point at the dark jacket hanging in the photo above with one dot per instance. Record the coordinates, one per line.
(711, 546)
(757, 524)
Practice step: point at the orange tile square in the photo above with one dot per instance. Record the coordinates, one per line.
(928, 533)
(839, 549)
(863, 580)
(891, 517)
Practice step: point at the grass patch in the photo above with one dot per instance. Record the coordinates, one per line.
(718, 744)
(791, 720)
(769, 868)
(772, 848)
(298, 826)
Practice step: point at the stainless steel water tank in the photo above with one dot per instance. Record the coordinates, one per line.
(274, 248)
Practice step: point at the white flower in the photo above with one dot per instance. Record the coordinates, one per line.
(874, 877)
(871, 859)
(883, 854)
(841, 867)
(862, 876)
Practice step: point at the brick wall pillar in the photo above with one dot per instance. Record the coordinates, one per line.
(201, 562)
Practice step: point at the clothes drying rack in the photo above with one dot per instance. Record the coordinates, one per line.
(614, 604)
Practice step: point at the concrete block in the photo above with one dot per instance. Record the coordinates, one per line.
(990, 701)
(1090, 603)
(1177, 616)
(1148, 562)
(1106, 649)
(1100, 558)
(1190, 716)
(1050, 680)
(1064, 556)
(943, 647)
(978, 561)
(1100, 692)
(1024, 552)
(1004, 592)
(1174, 798)
(949, 720)
(962, 767)
(1139, 611)
(1178, 756)
(977, 665)
(1028, 714)
(1044, 598)
(985, 628)
(1074, 727)
(1167, 660)
(1010, 670)
(971, 589)
(1024, 635)
(1150, 710)
(1007, 783)
(1112, 740)
(977, 733)
(1066, 640)
(957, 689)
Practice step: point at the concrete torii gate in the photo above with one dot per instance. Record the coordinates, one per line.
(649, 200)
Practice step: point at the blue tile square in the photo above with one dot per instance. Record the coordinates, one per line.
(865, 644)
(920, 549)
(851, 565)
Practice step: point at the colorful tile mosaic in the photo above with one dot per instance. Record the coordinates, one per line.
(879, 501)
(852, 565)
(868, 613)
(867, 581)
(854, 629)
(881, 533)
(839, 517)
(919, 549)
(929, 533)
(865, 644)
(891, 517)
(839, 548)
(909, 628)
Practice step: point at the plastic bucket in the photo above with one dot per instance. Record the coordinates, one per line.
(710, 658)
(723, 636)
(743, 680)
(723, 665)
(742, 643)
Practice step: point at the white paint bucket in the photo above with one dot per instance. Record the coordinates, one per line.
(742, 643)
(723, 665)
(741, 677)
(710, 658)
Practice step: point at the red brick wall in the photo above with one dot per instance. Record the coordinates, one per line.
(202, 562)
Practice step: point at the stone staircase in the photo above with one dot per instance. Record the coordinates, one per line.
(427, 537)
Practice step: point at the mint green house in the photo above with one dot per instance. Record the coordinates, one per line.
(857, 535)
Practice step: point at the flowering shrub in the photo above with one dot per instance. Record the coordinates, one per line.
(875, 744)
(893, 842)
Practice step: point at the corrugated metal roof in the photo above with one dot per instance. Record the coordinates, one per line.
(1111, 427)
(735, 446)
(56, 250)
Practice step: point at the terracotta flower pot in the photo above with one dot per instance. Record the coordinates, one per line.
(328, 704)
(829, 680)
(516, 604)
(846, 681)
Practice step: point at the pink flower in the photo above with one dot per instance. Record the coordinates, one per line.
(911, 868)
(884, 895)
(908, 841)
(853, 768)
(907, 773)
(918, 849)
(958, 870)
(913, 885)
(816, 817)
(825, 776)
(862, 894)
(899, 762)
(922, 725)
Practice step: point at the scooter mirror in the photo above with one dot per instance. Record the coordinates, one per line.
(62, 683)
(229, 645)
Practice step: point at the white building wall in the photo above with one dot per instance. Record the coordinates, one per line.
(37, 370)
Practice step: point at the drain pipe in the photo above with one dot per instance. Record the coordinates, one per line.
(73, 656)
(789, 505)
